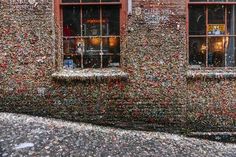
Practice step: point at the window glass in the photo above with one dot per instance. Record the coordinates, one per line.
(70, 1)
(71, 21)
(216, 20)
(111, 22)
(231, 22)
(68, 45)
(88, 1)
(197, 16)
(198, 0)
(111, 51)
(216, 14)
(92, 45)
(212, 39)
(216, 54)
(210, 0)
(92, 61)
(91, 36)
(91, 21)
(72, 61)
(231, 51)
(111, 61)
(110, 0)
(217, 0)
(197, 51)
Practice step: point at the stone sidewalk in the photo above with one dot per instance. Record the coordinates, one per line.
(22, 136)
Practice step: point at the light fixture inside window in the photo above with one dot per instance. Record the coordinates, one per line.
(113, 41)
(203, 48)
(95, 41)
(218, 46)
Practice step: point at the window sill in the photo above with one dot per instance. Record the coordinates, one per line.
(90, 74)
(212, 74)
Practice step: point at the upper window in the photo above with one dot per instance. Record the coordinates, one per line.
(91, 33)
(212, 33)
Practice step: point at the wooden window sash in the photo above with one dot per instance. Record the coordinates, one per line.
(102, 3)
(123, 11)
(208, 2)
(123, 18)
(207, 35)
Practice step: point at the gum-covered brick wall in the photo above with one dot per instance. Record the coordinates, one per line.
(153, 53)
(212, 103)
(27, 54)
(155, 59)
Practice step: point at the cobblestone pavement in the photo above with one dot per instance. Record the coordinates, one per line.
(22, 135)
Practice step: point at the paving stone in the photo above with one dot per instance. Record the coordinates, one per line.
(23, 135)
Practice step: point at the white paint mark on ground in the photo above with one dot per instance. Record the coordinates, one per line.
(24, 145)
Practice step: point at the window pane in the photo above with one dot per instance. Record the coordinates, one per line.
(197, 51)
(91, 21)
(216, 29)
(92, 45)
(70, 1)
(92, 61)
(111, 51)
(213, 0)
(71, 62)
(216, 54)
(111, 61)
(68, 46)
(71, 21)
(198, 0)
(101, 0)
(197, 20)
(216, 14)
(231, 22)
(73, 48)
(90, 0)
(111, 45)
(217, 0)
(92, 58)
(230, 43)
(111, 18)
(110, 0)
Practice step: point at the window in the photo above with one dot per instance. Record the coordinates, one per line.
(91, 33)
(212, 33)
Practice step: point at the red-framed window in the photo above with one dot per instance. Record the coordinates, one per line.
(91, 32)
(212, 33)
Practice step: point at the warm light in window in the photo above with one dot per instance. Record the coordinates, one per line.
(218, 46)
(95, 41)
(203, 49)
(92, 21)
(113, 42)
(227, 41)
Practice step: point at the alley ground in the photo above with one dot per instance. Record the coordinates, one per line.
(22, 135)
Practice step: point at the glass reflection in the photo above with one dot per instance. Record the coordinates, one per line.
(216, 53)
(71, 21)
(91, 21)
(197, 26)
(111, 17)
(216, 14)
(230, 50)
(197, 51)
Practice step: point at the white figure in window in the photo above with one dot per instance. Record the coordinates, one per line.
(80, 47)
(216, 30)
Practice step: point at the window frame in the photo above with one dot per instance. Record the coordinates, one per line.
(58, 16)
(207, 3)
